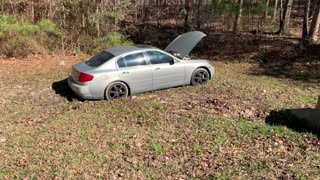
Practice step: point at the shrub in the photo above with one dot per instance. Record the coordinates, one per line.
(112, 39)
(20, 39)
(23, 38)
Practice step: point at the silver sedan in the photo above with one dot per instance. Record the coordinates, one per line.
(122, 71)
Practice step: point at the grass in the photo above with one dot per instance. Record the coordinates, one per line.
(154, 135)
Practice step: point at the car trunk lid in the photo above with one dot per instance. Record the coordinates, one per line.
(79, 68)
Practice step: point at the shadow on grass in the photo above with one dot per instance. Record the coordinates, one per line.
(293, 61)
(288, 118)
(62, 88)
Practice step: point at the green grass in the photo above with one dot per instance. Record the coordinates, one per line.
(154, 135)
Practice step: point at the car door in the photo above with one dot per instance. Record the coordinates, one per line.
(135, 70)
(166, 73)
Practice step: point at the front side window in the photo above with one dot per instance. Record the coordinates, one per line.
(132, 60)
(99, 59)
(157, 57)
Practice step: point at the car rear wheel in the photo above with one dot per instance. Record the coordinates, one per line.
(200, 77)
(116, 90)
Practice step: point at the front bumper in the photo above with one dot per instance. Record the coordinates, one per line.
(80, 90)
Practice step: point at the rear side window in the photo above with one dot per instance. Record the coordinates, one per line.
(132, 60)
(156, 57)
(99, 59)
(121, 63)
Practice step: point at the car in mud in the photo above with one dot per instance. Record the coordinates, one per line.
(126, 70)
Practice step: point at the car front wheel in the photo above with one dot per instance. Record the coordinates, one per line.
(200, 77)
(116, 90)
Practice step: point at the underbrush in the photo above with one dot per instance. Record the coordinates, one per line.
(93, 45)
(22, 38)
(19, 38)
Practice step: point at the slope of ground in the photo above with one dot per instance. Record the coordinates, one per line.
(212, 131)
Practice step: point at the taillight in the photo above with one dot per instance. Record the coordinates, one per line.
(83, 77)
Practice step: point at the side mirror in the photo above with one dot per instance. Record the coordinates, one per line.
(171, 62)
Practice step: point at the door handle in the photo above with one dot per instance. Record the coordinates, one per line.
(157, 69)
(125, 72)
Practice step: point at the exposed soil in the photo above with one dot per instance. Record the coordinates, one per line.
(38, 63)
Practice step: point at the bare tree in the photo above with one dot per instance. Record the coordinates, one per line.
(266, 13)
(199, 14)
(237, 22)
(275, 10)
(186, 14)
(285, 21)
(305, 26)
(97, 22)
(314, 28)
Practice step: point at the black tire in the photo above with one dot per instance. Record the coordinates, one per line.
(116, 90)
(200, 77)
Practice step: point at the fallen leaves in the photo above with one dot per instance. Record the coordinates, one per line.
(229, 107)
(175, 133)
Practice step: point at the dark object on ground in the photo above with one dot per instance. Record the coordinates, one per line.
(62, 88)
(301, 120)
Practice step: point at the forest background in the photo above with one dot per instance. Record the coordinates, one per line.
(47, 26)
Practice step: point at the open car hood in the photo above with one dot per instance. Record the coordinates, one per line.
(184, 43)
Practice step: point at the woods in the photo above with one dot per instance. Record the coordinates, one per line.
(83, 25)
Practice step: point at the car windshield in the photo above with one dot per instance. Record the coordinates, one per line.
(99, 59)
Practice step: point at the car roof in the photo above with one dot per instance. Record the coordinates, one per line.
(116, 51)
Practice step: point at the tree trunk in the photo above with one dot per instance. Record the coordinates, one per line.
(285, 22)
(306, 19)
(143, 12)
(237, 22)
(115, 18)
(198, 14)
(275, 10)
(186, 15)
(50, 10)
(97, 19)
(32, 12)
(266, 12)
(281, 11)
(314, 28)
(64, 16)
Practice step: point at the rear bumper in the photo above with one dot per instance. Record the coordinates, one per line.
(80, 90)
